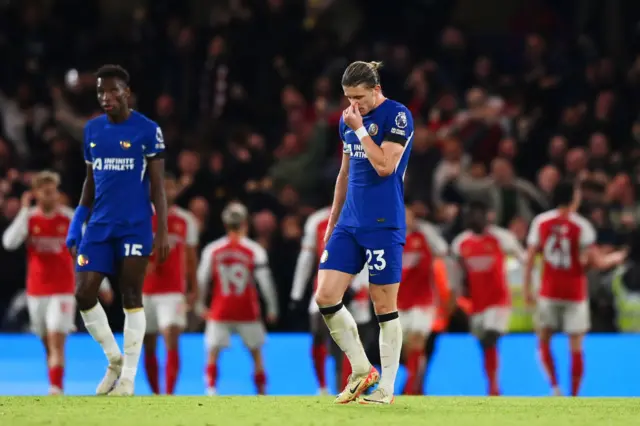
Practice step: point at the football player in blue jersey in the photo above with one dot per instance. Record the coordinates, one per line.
(123, 150)
(367, 226)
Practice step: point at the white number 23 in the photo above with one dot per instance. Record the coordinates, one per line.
(379, 263)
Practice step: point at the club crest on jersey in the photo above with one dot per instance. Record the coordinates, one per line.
(83, 260)
(401, 120)
(36, 229)
(373, 129)
(125, 144)
(324, 257)
(62, 229)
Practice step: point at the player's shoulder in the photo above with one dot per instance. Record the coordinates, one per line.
(215, 245)
(34, 211)
(582, 222)
(426, 228)
(142, 120)
(96, 122)
(66, 211)
(397, 110)
(317, 217)
(182, 213)
(547, 216)
(254, 247)
(460, 239)
(498, 231)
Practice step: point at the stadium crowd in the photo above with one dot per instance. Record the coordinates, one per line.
(248, 97)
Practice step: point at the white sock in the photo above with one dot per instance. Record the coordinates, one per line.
(135, 326)
(344, 332)
(97, 324)
(390, 347)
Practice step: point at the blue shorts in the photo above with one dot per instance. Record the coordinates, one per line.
(348, 249)
(104, 245)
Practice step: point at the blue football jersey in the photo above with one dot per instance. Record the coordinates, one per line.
(118, 154)
(374, 201)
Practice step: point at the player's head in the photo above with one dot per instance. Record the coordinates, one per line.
(170, 188)
(477, 216)
(565, 195)
(45, 189)
(234, 218)
(361, 85)
(113, 89)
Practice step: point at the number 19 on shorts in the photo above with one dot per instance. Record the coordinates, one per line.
(375, 260)
(133, 249)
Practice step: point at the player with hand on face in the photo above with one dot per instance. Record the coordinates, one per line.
(123, 150)
(367, 226)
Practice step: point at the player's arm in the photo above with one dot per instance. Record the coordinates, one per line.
(16, 234)
(204, 279)
(339, 193)
(383, 158)
(81, 215)
(306, 260)
(191, 252)
(533, 248)
(264, 279)
(155, 157)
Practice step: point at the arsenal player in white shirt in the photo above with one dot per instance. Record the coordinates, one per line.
(233, 264)
(566, 241)
(164, 291)
(50, 274)
(312, 246)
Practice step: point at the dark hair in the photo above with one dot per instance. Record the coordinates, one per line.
(478, 205)
(563, 194)
(113, 71)
(359, 72)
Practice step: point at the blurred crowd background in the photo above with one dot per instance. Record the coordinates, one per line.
(509, 97)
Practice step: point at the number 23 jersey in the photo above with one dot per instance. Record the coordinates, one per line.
(230, 265)
(562, 238)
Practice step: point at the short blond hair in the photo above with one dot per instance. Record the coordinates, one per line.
(44, 177)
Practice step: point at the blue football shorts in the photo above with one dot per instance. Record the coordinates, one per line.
(349, 249)
(104, 245)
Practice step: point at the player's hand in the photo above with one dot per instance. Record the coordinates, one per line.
(161, 246)
(352, 117)
(26, 199)
(192, 299)
(272, 319)
(529, 299)
(327, 233)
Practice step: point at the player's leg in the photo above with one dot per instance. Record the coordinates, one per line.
(172, 320)
(253, 336)
(496, 321)
(94, 262)
(418, 322)
(341, 260)
(217, 336)
(37, 308)
(385, 271)
(547, 321)
(151, 343)
(59, 322)
(576, 323)
(319, 340)
(131, 273)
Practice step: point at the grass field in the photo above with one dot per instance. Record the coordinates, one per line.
(294, 411)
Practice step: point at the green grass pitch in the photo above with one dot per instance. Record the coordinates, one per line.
(320, 411)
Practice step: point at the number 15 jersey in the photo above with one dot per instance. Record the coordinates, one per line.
(561, 239)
